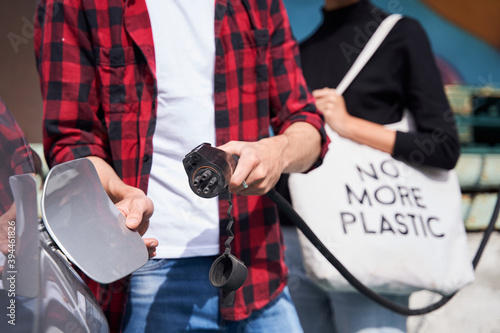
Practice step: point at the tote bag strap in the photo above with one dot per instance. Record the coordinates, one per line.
(373, 44)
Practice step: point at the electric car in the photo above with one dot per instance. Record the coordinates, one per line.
(43, 238)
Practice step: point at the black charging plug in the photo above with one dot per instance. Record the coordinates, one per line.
(209, 170)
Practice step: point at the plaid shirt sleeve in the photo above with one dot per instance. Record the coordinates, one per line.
(290, 97)
(65, 61)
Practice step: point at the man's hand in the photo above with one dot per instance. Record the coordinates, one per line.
(131, 201)
(138, 209)
(261, 163)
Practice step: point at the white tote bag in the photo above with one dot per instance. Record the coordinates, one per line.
(395, 227)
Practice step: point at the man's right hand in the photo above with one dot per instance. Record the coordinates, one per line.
(138, 209)
(131, 201)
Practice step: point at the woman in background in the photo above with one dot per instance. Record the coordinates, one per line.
(402, 74)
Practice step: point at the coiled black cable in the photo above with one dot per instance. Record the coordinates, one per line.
(287, 208)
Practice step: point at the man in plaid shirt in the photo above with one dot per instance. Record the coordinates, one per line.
(134, 85)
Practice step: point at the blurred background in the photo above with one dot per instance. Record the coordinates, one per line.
(19, 85)
(465, 37)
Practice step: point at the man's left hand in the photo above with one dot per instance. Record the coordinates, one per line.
(260, 165)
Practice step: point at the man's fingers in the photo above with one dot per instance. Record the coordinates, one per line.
(151, 242)
(133, 220)
(243, 172)
(255, 167)
(232, 147)
(245, 164)
(137, 213)
(151, 245)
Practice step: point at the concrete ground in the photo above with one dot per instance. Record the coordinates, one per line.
(475, 308)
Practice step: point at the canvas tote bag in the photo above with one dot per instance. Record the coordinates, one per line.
(395, 227)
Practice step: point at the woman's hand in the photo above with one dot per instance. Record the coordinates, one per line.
(362, 131)
(332, 105)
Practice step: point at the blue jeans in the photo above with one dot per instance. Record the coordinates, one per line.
(175, 295)
(344, 312)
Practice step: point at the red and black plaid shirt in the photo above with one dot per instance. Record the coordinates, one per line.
(97, 70)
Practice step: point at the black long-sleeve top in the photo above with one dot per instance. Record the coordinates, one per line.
(401, 74)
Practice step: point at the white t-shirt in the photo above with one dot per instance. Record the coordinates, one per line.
(183, 33)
